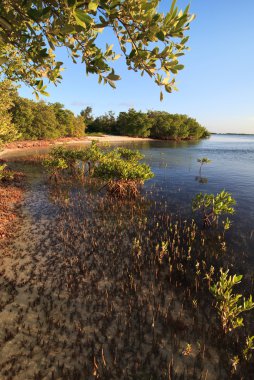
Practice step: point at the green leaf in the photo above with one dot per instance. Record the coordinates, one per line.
(92, 6)
(113, 77)
(44, 93)
(179, 67)
(132, 53)
(40, 84)
(82, 18)
(160, 35)
(36, 95)
(168, 88)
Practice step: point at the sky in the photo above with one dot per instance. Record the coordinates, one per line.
(216, 86)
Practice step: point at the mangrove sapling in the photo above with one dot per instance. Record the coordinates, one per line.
(212, 206)
(203, 161)
(55, 167)
(123, 176)
(92, 157)
(229, 304)
(128, 154)
(72, 157)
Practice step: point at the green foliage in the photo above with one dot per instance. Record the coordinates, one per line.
(119, 167)
(87, 115)
(105, 124)
(31, 32)
(93, 154)
(230, 305)
(8, 131)
(168, 126)
(129, 154)
(44, 121)
(156, 124)
(203, 160)
(39, 120)
(55, 167)
(123, 172)
(212, 206)
(133, 123)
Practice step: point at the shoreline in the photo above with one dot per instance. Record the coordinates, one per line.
(18, 146)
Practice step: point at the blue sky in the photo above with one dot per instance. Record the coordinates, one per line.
(216, 87)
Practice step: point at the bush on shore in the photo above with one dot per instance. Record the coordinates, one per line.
(154, 124)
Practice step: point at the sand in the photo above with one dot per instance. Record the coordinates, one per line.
(18, 146)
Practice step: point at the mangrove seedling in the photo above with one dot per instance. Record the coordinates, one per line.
(249, 348)
(212, 206)
(203, 161)
(123, 172)
(229, 304)
(55, 167)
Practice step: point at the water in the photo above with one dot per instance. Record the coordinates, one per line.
(232, 167)
(73, 293)
(177, 178)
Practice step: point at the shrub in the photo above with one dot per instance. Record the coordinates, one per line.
(212, 206)
(228, 304)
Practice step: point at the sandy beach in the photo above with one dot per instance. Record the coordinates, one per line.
(18, 146)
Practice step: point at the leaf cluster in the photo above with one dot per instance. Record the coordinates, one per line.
(204, 160)
(113, 165)
(229, 304)
(212, 206)
(116, 169)
(31, 32)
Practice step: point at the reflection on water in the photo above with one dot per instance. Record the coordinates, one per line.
(200, 179)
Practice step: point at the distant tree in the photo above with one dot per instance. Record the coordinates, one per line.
(23, 111)
(45, 121)
(168, 126)
(87, 115)
(78, 127)
(55, 120)
(195, 131)
(105, 124)
(68, 124)
(33, 31)
(8, 131)
(133, 123)
(161, 124)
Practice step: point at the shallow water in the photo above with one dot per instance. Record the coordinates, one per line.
(77, 301)
(177, 178)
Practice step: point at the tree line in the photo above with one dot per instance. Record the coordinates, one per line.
(25, 119)
(154, 124)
